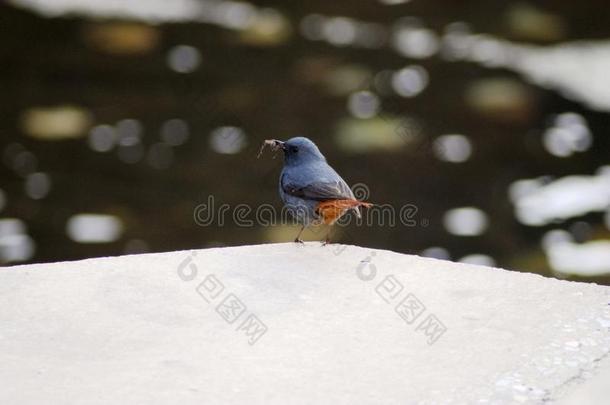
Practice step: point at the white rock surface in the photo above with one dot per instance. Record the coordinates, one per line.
(135, 329)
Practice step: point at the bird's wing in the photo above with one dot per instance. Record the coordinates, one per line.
(319, 190)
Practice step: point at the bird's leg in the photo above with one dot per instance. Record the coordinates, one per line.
(326, 240)
(297, 239)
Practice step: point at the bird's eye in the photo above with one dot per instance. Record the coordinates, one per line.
(294, 149)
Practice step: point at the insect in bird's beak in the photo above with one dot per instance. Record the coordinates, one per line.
(273, 144)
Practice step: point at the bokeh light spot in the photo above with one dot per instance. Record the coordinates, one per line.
(184, 59)
(436, 252)
(37, 185)
(15, 244)
(465, 221)
(102, 138)
(94, 228)
(410, 81)
(452, 148)
(478, 259)
(363, 104)
(175, 132)
(228, 140)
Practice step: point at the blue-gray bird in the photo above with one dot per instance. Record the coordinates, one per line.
(312, 191)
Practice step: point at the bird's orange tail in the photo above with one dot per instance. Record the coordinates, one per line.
(332, 210)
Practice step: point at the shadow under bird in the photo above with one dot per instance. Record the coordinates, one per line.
(312, 191)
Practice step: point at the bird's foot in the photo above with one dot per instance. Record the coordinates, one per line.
(297, 240)
(326, 242)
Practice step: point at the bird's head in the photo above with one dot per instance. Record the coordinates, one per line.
(300, 150)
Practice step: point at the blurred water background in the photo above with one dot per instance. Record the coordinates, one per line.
(120, 118)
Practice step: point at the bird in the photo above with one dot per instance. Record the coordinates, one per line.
(312, 191)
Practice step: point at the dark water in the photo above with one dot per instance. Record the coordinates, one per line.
(143, 123)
